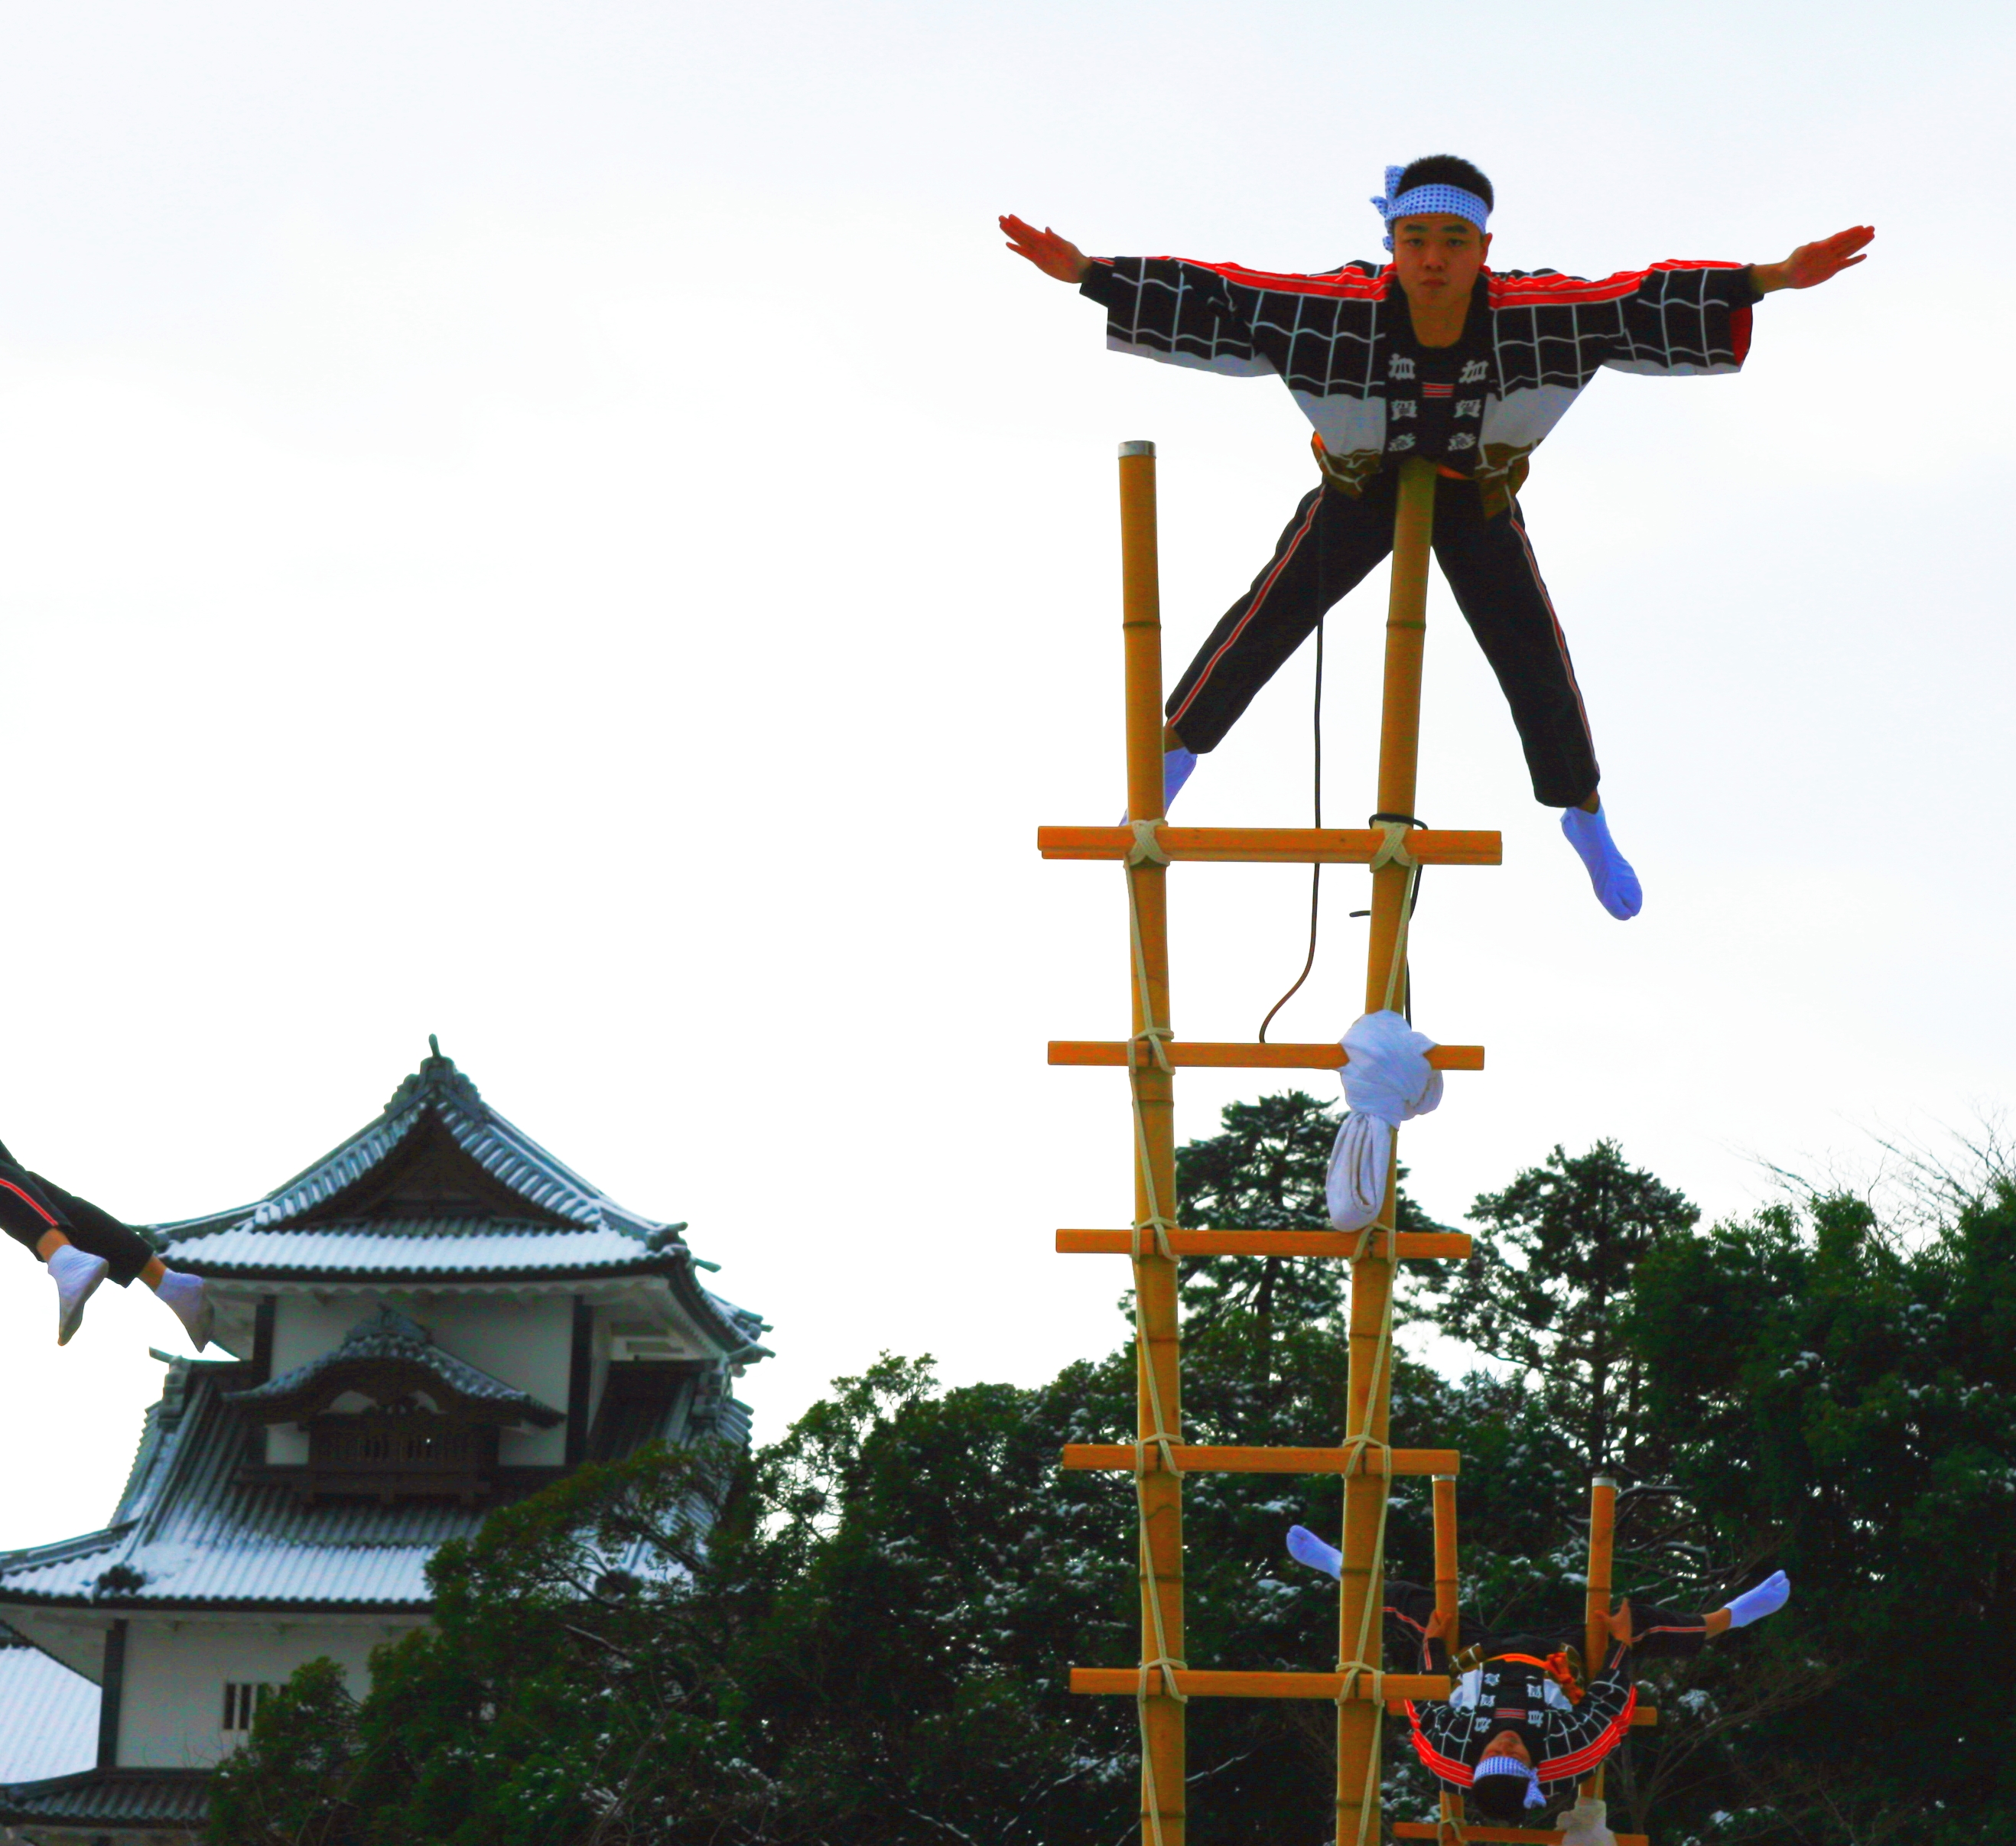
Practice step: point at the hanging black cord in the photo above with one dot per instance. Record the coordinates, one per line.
(1316, 870)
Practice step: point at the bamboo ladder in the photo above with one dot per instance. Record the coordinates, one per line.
(1596, 1643)
(1158, 1459)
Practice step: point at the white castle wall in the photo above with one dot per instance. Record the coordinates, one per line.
(171, 1715)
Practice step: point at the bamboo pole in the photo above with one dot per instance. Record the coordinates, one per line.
(1596, 1609)
(1213, 1685)
(1161, 1547)
(1447, 1592)
(1449, 1246)
(1446, 1584)
(1200, 1459)
(1209, 1054)
(1424, 1829)
(1275, 846)
(1368, 1390)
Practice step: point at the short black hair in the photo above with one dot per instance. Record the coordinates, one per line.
(1447, 170)
(1499, 1797)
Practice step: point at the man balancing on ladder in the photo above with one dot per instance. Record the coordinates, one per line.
(82, 1244)
(1414, 359)
(1520, 1715)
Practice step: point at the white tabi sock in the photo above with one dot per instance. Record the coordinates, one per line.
(190, 1299)
(1306, 1547)
(1617, 887)
(1767, 1599)
(76, 1276)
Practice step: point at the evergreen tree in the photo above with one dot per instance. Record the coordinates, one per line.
(1264, 1170)
(1548, 1288)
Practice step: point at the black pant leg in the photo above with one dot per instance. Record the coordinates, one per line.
(1666, 1634)
(1491, 568)
(1324, 553)
(1407, 1609)
(27, 1213)
(96, 1232)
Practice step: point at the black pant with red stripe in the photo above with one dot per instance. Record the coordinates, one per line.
(31, 1207)
(1656, 1633)
(1328, 548)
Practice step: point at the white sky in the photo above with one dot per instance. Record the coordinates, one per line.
(561, 527)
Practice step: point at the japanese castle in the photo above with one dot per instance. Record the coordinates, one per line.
(435, 1319)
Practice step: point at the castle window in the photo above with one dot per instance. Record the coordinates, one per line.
(241, 1700)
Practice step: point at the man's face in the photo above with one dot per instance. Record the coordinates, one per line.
(1506, 1743)
(1437, 257)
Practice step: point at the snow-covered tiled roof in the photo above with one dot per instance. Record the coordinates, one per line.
(175, 1802)
(48, 1715)
(439, 1188)
(389, 1335)
(381, 1250)
(195, 1533)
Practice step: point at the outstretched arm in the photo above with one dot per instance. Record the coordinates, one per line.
(1812, 264)
(1055, 256)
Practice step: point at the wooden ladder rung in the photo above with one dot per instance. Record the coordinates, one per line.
(1427, 1829)
(1196, 1684)
(1199, 1054)
(1196, 1458)
(1454, 1245)
(1274, 846)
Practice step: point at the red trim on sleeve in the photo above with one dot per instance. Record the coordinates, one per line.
(1349, 284)
(1579, 1763)
(1447, 1767)
(1509, 291)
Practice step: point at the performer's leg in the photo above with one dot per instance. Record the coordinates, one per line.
(1669, 1634)
(1496, 580)
(83, 1244)
(26, 1216)
(1323, 552)
(1490, 565)
(31, 1217)
(1408, 1607)
(97, 1232)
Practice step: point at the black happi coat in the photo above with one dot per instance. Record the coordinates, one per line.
(1331, 338)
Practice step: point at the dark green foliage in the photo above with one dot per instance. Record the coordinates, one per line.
(1547, 1288)
(871, 1649)
(1842, 1404)
(1265, 1172)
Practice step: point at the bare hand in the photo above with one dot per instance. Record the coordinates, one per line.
(1054, 255)
(1812, 264)
(1438, 1626)
(1620, 1622)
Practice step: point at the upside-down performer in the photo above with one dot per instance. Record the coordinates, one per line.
(1431, 355)
(1519, 1715)
(82, 1244)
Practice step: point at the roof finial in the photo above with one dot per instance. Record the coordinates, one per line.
(434, 1045)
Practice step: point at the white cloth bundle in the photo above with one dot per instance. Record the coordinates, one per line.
(1386, 1081)
(1586, 1824)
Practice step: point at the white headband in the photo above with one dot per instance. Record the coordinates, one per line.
(1417, 200)
(1511, 1765)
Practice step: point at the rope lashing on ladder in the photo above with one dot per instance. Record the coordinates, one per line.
(1159, 1441)
(1392, 851)
(1357, 1448)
